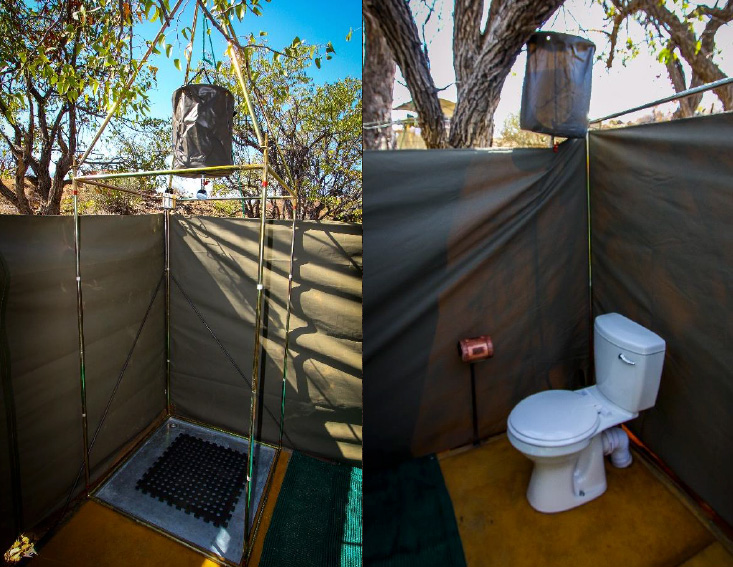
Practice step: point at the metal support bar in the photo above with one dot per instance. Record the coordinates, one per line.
(590, 270)
(113, 188)
(167, 252)
(269, 197)
(287, 331)
(672, 98)
(474, 408)
(152, 173)
(256, 354)
(80, 323)
(238, 70)
(129, 82)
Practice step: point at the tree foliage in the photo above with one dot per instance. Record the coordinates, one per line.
(63, 61)
(314, 135)
(676, 31)
(483, 55)
(63, 65)
(512, 136)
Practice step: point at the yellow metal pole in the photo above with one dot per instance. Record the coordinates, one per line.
(235, 62)
(80, 325)
(256, 354)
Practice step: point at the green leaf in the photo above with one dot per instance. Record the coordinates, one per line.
(329, 48)
(348, 35)
(177, 63)
(168, 49)
(317, 61)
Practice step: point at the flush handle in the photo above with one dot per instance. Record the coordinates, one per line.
(626, 360)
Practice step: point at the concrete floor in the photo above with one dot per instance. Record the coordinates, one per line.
(638, 522)
(99, 537)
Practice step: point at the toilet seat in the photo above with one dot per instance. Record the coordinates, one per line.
(554, 418)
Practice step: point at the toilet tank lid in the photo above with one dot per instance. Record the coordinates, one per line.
(626, 334)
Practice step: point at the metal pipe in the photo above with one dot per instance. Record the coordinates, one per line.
(240, 78)
(129, 83)
(682, 94)
(113, 188)
(269, 197)
(287, 331)
(167, 252)
(590, 266)
(257, 329)
(249, 166)
(80, 323)
(280, 181)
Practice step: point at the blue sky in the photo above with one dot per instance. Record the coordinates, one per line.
(313, 21)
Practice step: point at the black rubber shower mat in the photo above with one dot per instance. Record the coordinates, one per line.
(198, 477)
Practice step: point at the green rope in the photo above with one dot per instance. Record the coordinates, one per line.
(204, 35)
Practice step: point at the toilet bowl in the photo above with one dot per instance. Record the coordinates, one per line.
(567, 433)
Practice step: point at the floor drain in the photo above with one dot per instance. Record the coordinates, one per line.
(199, 477)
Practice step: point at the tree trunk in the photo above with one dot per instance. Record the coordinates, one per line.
(400, 31)
(688, 105)
(377, 84)
(697, 53)
(484, 59)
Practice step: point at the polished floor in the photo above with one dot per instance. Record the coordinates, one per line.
(638, 522)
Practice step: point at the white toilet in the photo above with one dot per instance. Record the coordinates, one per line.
(567, 433)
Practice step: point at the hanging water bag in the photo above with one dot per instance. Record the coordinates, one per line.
(203, 119)
(557, 84)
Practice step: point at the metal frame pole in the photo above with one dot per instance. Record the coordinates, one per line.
(590, 257)
(167, 246)
(287, 329)
(256, 353)
(80, 323)
(672, 98)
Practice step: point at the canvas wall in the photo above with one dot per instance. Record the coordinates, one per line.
(461, 243)
(662, 249)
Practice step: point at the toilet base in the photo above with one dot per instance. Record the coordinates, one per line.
(564, 482)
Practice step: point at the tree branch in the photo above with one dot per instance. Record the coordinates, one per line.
(400, 31)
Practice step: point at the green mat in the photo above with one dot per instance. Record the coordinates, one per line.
(317, 518)
(409, 519)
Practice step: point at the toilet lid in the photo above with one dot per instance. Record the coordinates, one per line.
(553, 418)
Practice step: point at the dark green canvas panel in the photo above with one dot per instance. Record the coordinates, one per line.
(214, 262)
(662, 203)
(42, 337)
(460, 244)
(121, 263)
(8, 523)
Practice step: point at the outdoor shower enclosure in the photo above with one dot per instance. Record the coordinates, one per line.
(528, 246)
(213, 292)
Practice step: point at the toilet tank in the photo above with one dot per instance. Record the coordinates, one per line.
(628, 362)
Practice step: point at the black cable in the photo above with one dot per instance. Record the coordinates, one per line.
(109, 403)
(221, 346)
(211, 331)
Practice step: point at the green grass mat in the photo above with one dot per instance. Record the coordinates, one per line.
(317, 518)
(409, 519)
